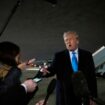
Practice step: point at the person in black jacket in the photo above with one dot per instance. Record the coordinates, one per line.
(12, 91)
(62, 67)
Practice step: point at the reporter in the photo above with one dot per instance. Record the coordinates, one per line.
(12, 91)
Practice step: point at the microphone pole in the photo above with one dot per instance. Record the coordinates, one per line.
(10, 16)
(50, 89)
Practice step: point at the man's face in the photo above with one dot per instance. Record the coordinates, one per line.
(71, 42)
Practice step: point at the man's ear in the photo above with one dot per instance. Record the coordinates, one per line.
(77, 41)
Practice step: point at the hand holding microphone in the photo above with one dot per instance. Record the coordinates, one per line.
(41, 73)
(29, 85)
(30, 62)
(44, 71)
(41, 102)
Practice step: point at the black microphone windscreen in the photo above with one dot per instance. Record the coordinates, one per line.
(50, 89)
(80, 85)
(51, 86)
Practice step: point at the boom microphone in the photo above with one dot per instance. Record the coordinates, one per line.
(50, 89)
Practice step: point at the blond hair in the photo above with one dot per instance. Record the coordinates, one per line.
(70, 33)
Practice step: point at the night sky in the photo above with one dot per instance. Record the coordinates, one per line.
(37, 26)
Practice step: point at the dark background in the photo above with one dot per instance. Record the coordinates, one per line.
(37, 26)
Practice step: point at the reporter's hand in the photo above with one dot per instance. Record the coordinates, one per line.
(24, 65)
(44, 71)
(30, 85)
(31, 62)
(92, 102)
(41, 102)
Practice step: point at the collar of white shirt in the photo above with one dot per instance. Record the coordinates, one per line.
(76, 52)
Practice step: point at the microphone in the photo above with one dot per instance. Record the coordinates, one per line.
(80, 87)
(39, 74)
(38, 77)
(98, 101)
(50, 89)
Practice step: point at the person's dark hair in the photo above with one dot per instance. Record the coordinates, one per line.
(8, 52)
